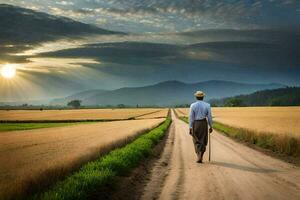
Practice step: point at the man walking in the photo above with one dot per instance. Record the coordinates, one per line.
(200, 115)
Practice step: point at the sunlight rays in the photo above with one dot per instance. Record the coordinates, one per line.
(56, 65)
(64, 44)
(8, 71)
(44, 77)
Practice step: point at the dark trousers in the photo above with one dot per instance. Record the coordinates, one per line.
(200, 135)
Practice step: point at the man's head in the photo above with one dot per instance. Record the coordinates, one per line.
(200, 98)
(199, 95)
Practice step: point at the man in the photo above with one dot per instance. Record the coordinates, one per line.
(200, 115)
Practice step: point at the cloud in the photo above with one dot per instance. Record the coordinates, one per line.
(257, 48)
(176, 15)
(65, 3)
(75, 14)
(55, 65)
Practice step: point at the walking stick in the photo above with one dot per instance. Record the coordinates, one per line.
(209, 147)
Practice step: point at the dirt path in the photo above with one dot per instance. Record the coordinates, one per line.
(235, 172)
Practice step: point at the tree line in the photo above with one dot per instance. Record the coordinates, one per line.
(289, 96)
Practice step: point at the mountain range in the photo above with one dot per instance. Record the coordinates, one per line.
(167, 93)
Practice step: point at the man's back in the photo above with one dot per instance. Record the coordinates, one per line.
(200, 110)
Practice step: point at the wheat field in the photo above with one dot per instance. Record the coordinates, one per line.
(26, 156)
(80, 114)
(276, 120)
(182, 112)
(159, 114)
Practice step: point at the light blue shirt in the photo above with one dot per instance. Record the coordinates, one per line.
(200, 110)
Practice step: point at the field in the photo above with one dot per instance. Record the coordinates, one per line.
(103, 171)
(73, 160)
(80, 114)
(29, 157)
(274, 128)
(276, 120)
(160, 114)
(28, 125)
(182, 112)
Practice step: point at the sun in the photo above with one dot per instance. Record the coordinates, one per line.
(8, 71)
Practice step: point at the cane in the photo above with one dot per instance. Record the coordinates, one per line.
(209, 147)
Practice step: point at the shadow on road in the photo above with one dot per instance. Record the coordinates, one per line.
(241, 167)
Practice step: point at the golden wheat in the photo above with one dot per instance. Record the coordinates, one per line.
(159, 114)
(277, 120)
(182, 112)
(80, 114)
(26, 156)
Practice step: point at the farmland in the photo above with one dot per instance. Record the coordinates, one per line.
(75, 159)
(29, 125)
(275, 120)
(273, 128)
(103, 171)
(80, 114)
(56, 151)
(160, 114)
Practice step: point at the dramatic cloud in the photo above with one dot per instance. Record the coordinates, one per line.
(174, 15)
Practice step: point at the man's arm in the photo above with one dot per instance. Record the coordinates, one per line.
(191, 118)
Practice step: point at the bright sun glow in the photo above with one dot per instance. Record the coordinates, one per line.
(8, 71)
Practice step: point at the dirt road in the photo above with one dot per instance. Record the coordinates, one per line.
(235, 172)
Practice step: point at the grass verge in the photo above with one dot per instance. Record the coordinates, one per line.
(102, 172)
(277, 143)
(283, 144)
(185, 119)
(29, 126)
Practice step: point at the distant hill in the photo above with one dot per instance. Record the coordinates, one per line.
(289, 96)
(79, 96)
(167, 93)
(22, 26)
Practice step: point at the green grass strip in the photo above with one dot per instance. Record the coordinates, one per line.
(284, 144)
(185, 119)
(102, 172)
(29, 126)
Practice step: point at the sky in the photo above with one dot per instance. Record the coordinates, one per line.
(252, 41)
(140, 16)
